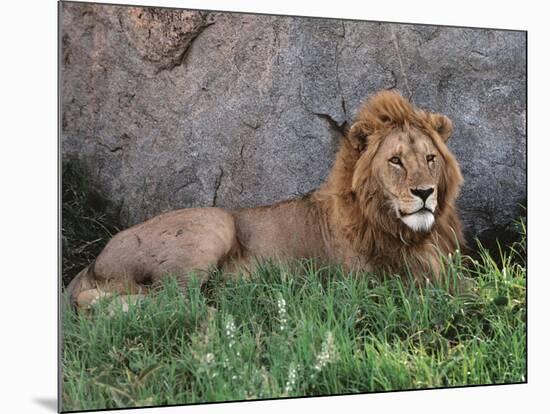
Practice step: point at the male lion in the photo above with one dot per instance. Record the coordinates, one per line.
(388, 204)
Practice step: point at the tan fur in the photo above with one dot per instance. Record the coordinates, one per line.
(350, 220)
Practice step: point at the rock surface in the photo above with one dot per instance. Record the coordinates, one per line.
(172, 108)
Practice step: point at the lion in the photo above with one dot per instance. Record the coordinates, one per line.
(388, 205)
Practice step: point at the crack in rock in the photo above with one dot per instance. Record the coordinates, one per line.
(179, 60)
(115, 149)
(339, 128)
(401, 65)
(217, 185)
(162, 37)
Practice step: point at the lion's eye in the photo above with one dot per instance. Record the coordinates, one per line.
(395, 160)
(430, 158)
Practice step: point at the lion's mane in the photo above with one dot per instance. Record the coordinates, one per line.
(355, 201)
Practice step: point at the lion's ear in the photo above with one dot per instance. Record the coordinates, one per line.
(358, 135)
(442, 125)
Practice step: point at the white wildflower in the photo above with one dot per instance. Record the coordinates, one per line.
(207, 364)
(209, 358)
(230, 330)
(291, 381)
(281, 305)
(327, 354)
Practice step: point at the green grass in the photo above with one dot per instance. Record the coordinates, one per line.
(312, 332)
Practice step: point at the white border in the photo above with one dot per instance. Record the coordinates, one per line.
(29, 202)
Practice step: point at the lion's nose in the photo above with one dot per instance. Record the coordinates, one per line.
(422, 193)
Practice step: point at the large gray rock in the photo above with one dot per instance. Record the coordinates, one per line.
(172, 108)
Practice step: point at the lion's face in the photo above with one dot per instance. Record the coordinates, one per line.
(404, 174)
(408, 167)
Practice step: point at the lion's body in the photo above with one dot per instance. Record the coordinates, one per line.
(348, 221)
